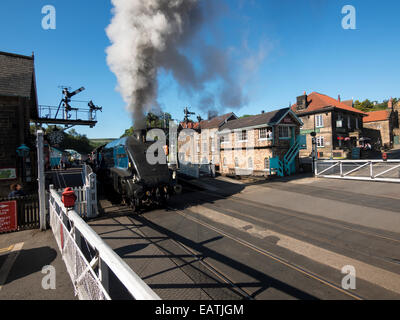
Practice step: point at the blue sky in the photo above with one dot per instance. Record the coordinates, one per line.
(286, 47)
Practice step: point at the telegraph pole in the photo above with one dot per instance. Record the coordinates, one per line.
(41, 180)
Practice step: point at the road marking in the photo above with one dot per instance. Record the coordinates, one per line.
(378, 276)
(6, 268)
(6, 249)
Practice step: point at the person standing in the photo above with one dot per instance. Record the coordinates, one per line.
(16, 191)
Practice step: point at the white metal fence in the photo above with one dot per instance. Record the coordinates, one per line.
(195, 170)
(89, 260)
(369, 170)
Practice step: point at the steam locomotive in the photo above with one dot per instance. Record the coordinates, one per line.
(123, 166)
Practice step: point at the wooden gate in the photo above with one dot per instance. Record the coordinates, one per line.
(27, 211)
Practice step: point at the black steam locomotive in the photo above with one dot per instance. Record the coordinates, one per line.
(123, 166)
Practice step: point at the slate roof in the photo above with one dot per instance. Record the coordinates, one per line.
(317, 102)
(16, 75)
(268, 118)
(213, 123)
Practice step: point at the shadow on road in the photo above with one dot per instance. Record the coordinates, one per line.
(30, 261)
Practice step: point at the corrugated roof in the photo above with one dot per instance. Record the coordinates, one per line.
(260, 119)
(16, 75)
(380, 115)
(317, 101)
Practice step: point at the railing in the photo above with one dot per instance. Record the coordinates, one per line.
(290, 156)
(369, 170)
(55, 113)
(90, 262)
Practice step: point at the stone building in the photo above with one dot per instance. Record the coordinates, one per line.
(379, 127)
(396, 124)
(18, 105)
(338, 125)
(199, 145)
(248, 144)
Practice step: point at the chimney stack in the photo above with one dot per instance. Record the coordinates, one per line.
(390, 103)
(339, 98)
(302, 102)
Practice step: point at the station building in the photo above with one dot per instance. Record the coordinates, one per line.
(338, 125)
(247, 145)
(18, 105)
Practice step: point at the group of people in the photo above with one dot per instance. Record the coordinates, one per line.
(16, 191)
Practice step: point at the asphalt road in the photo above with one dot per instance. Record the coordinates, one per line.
(275, 240)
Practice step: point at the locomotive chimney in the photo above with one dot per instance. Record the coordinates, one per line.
(140, 134)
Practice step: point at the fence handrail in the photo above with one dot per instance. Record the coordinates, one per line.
(133, 283)
(360, 161)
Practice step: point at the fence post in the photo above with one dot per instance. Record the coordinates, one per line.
(41, 180)
(371, 170)
(104, 274)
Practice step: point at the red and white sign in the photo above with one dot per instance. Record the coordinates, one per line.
(288, 119)
(8, 216)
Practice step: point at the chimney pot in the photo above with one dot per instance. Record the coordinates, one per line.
(339, 98)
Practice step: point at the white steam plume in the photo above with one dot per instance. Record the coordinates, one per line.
(147, 35)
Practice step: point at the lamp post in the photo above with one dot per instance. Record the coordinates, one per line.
(314, 151)
(23, 152)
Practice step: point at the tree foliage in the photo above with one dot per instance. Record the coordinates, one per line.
(152, 121)
(73, 140)
(368, 106)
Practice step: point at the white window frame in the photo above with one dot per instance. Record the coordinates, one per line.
(250, 161)
(239, 135)
(289, 134)
(267, 130)
(319, 121)
(237, 164)
(320, 139)
(212, 141)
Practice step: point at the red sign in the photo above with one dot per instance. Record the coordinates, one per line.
(287, 119)
(8, 216)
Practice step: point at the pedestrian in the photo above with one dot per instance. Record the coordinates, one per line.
(16, 191)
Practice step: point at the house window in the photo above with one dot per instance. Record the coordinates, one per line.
(284, 132)
(266, 163)
(319, 121)
(250, 162)
(212, 145)
(236, 162)
(265, 133)
(242, 135)
(357, 125)
(349, 122)
(224, 163)
(320, 142)
(224, 138)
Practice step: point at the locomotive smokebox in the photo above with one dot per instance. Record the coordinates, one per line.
(140, 135)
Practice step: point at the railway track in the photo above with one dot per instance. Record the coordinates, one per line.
(272, 256)
(205, 272)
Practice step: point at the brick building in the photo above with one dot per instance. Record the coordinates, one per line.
(18, 105)
(379, 126)
(396, 124)
(248, 144)
(200, 144)
(338, 125)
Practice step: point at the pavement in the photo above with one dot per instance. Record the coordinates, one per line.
(23, 257)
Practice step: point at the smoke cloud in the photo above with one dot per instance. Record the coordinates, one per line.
(147, 35)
